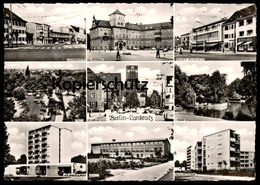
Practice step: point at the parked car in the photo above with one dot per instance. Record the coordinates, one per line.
(165, 49)
(68, 42)
(56, 43)
(153, 48)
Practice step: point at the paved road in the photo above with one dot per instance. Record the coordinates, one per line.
(152, 173)
(46, 53)
(135, 56)
(168, 176)
(202, 177)
(184, 116)
(215, 56)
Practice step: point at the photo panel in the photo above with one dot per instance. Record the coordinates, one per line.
(215, 151)
(134, 152)
(46, 151)
(44, 32)
(130, 92)
(130, 32)
(215, 91)
(45, 92)
(215, 31)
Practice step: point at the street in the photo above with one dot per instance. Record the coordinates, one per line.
(203, 177)
(139, 55)
(168, 176)
(188, 116)
(152, 173)
(46, 53)
(214, 56)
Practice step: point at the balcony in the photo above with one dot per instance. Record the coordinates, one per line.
(232, 139)
(30, 137)
(37, 135)
(232, 149)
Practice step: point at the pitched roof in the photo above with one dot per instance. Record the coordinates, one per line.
(7, 14)
(117, 12)
(250, 10)
(101, 23)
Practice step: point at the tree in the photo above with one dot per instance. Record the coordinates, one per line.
(158, 153)
(19, 93)
(78, 108)
(184, 164)
(22, 159)
(131, 99)
(27, 71)
(154, 99)
(79, 159)
(9, 109)
(177, 163)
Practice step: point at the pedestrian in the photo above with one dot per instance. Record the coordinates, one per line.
(223, 50)
(158, 53)
(118, 55)
(190, 49)
(180, 50)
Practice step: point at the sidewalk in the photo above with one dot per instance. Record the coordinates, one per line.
(218, 52)
(152, 173)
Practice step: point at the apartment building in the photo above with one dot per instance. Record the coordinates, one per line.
(190, 159)
(221, 150)
(208, 37)
(198, 156)
(169, 96)
(118, 34)
(247, 159)
(137, 148)
(37, 33)
(14, 29)
(49, 144)
(239, 31)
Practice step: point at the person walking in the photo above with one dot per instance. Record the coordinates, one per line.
(180, 50)
(118, 58)
(158, 53)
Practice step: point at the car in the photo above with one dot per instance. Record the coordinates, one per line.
(68, 42)
(168, 115)
(56, 43)
(165, 49)
(153, 48)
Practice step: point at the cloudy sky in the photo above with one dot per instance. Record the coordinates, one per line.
(147, 71)
(18, 137)
(188, 133)
(232, 69)
(186, 15)
(74, 14)
(47, 65)
(98, 132)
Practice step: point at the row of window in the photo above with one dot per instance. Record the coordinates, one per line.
(15, 23)
(229, 36)
(15, 30)
(248, 33)
(14, 39)
(245, 22)
(138, 143)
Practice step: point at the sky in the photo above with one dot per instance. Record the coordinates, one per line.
(18, 137)
(196, 130)
(232, 68)
(98, 132)
(45, 65)
(147, 71)
(186, 15)
(74, 14)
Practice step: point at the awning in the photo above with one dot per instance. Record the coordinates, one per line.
(212, 44)
(239, 43)
(249, 42)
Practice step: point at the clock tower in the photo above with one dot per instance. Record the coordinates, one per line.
(117, 19)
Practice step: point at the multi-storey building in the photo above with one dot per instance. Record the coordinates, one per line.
(118, 34)
(190, 159)
(208, 37)
(38, 33)
(131, 72)
(239, 31)
(15, 30)
(60, 35)
(198, 156)
(221, 150)
(78, 35)
(247, 159)
(49, 144)
(136, 149)
(168, 93)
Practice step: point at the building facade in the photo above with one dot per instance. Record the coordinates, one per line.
(136, 149)
(118, 34)
(247, 159)
(78, 35)
(49, 144)
(221, 150)
(169, 96)
(198, 156)
(239, 31)
(15, 30)
(37, 33)
(208, 37)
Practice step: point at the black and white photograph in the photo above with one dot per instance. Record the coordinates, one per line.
(139, 152)
(215, 31)
(53, 92)
(215, 91)
(130, 92)
(130, 32)
(45, 152)
(44, 32)
(214, 151)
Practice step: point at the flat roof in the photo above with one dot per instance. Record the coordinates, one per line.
(133, 141)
